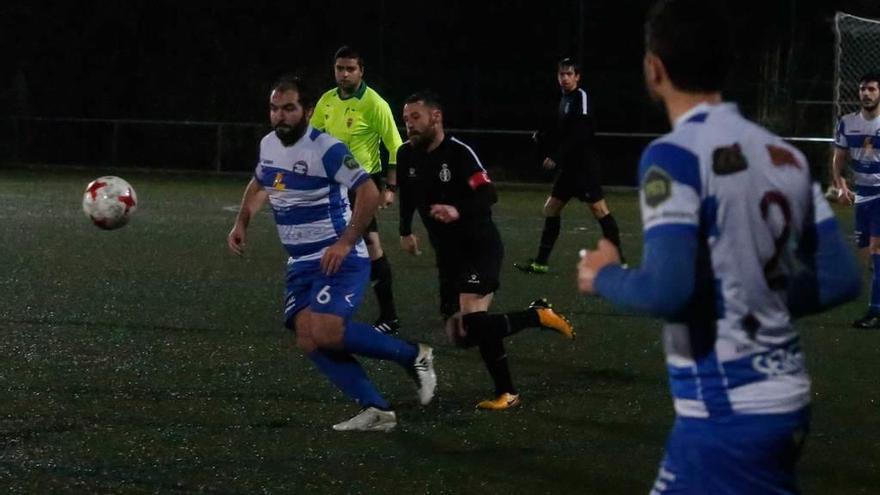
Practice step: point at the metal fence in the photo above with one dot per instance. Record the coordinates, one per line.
(509, 155)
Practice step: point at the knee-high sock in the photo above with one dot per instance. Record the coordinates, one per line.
(380, 276)
(343, 370)
(611, 232)
(875, 284)
(498, 326)
(448, 296)
(364, 340)
(548, 238)
(495, 357)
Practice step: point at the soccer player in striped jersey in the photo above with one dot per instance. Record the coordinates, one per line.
(443, 179)
(738, 241)
(305, 174)
(569, 151)
(857, 143)
(355, 114)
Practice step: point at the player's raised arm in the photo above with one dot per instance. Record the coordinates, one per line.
(251, 202)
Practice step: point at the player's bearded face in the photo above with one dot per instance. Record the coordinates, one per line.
(869, 94)
(421, 124)
(287, 116)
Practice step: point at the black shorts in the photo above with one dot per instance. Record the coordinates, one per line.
(584, 184)
(374, 225)
(472, 266)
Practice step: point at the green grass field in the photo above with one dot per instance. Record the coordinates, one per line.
(149, 360)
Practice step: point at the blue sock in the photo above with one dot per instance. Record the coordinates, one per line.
(875, 285)
(364, 340)
(343, 370)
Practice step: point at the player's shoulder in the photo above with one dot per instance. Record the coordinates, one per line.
(462, 153)
(850, 116)
(405, 149)
(373, 100)
(269, 141)
(578, 102)
(323, 142)
(327, 96)
(461, 148)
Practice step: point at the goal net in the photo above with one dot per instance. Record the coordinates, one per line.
(857, 53)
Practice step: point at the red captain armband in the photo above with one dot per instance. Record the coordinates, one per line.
(478, 179)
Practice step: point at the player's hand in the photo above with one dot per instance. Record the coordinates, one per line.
(237, 239)
(592, 262)
(548, 164)
(334, 256)
(444, 213)
(410, 244)
(844, 193)
(387, 199)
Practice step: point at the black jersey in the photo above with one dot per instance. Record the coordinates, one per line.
(567, 144)
(451, 174)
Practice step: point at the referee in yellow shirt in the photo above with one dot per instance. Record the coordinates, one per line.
(356, 115)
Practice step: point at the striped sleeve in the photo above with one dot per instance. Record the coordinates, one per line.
(840, 135)
(342, 167)
(669, 189)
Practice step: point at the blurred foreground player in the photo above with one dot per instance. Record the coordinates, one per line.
(738, 241)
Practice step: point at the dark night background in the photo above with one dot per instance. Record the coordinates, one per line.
(492, 62)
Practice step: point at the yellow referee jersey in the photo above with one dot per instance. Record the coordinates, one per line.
(360, 121)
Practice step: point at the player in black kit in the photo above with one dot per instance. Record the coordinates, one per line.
(443, 179)
(568, 149)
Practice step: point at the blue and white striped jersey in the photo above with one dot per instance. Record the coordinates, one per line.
(861, 138)
(308, 187)
(748, 197)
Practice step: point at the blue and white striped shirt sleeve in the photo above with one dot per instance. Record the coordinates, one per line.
(341, 166)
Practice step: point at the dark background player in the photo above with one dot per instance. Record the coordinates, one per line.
(568, 149)
(443, 179)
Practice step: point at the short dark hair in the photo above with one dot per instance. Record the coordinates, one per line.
(569, 62)
(289, 82)
(870, 77)
(426, 96)
(346, 51)
(693, 39)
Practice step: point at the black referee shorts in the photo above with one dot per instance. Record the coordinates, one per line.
(472, 266)
(584, 183)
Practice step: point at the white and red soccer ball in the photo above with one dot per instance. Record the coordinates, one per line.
(109, 202)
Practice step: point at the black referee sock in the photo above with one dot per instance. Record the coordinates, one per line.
(611, 232)
(494, 356)
(448, 297)
(484, 326)
(548, 238)
(380, 276)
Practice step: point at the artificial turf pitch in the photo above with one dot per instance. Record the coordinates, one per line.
(149, 360)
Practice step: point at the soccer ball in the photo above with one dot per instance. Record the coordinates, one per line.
(109, 202)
